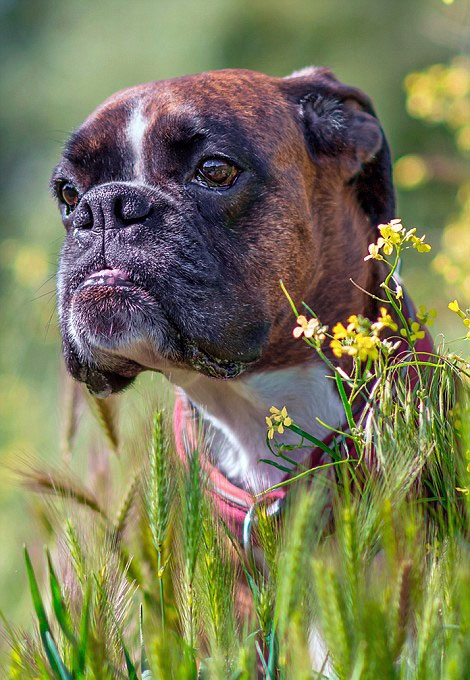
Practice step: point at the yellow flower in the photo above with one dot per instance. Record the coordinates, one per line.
(339, 331)
(360, 337)
(465, 316)
(416, 332)
(391, 234)
(302, 328)
(426, 316)
(454, 307)
(277, 421)
(353, 323)
(419, 244)
(399, 292)
(366, 347)
(356, 345)
(466, 492)
(392, 231)
(374, 249)
(337, 348)
(270, 425)
(281, 415)
(309, 328)
(384, 321)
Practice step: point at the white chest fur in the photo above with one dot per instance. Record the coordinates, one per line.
(236, 411)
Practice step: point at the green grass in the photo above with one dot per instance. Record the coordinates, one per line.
(376, 558)
(144, 580)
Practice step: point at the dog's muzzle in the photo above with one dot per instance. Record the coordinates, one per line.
(112, 206)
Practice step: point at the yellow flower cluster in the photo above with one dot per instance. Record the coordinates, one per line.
(360, 338)
(394, 234)
(465, 316)
(390, 236)
(278, 420)
(309, 329)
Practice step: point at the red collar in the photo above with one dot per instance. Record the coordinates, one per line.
(233, 503)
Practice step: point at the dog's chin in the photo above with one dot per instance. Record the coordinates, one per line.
(122, 330)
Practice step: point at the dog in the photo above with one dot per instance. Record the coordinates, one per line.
(185, 202)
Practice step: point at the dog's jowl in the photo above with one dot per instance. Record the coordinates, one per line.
(185, 202)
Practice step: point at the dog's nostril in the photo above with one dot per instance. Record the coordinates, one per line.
(110, 207)
(132, 207)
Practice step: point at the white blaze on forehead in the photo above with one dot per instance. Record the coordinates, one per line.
(136, 128)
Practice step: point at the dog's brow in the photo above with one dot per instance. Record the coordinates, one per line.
(187, 137)
(177, 129)
(77, 145)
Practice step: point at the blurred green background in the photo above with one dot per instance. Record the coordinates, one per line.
(61, 59)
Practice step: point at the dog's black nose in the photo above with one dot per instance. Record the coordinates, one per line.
(111, 206)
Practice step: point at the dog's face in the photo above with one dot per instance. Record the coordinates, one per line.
(184, 203)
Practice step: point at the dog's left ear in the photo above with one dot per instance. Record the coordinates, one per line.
(340, 122)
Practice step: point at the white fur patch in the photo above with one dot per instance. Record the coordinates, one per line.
(236, 410)
(135, 134)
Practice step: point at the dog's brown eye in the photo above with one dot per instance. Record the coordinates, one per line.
(216, 172)
(69, 195)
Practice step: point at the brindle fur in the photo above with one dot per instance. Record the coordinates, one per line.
(316, 181)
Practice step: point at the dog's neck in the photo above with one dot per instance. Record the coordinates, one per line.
(288, 373)
(235, 413)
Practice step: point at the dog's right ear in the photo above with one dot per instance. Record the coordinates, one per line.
(339, 122)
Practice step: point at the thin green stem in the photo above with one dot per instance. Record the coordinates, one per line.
(304, 474)
(160, 582)
(291, 302)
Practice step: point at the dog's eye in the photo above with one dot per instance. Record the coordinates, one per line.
(216, 172)
(68, 195)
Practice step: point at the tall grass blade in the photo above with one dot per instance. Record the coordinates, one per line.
(58, 604)
(53, 652)
(59, 485)
(85, 623)
(103, 409)
(159, 499)
(125, 509)
(44, 629)
(144, 664)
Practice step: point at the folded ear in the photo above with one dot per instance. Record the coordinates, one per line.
(339, 122)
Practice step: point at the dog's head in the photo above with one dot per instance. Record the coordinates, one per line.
(185, 201)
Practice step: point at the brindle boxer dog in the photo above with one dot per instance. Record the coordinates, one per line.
(185, 201)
